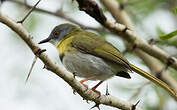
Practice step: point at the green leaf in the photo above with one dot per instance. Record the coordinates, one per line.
(174, 10)
(169, 35)
(159, 31)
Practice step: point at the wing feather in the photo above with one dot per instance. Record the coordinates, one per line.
(99, 47)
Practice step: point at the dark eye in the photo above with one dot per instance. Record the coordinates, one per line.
(56, 34)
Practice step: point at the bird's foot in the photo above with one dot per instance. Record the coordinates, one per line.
(96, 91)
(85, 85)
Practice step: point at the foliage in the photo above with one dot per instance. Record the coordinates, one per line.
(174, 10)
(169, 35)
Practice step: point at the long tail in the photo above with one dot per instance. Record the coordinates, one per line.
(154, 79)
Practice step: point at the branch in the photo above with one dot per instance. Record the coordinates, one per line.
(121, 30)
(129, 35)
(154, 65)
(156, 68)
(59, 14)
(21, 21)
(65, 75)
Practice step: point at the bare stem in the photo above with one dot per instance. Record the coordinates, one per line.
(34, 61)
(21, 21)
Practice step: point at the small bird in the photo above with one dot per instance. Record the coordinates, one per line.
(90, 56)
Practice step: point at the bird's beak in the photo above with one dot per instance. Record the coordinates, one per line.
(45, 40)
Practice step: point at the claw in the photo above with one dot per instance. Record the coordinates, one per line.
(94, 88)
(85, 85)
(98, 92)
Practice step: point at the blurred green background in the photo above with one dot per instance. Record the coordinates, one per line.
(46, 91)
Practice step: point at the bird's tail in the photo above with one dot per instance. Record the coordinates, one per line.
(154, 80)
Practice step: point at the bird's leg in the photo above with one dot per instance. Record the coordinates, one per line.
(94, 88)
(84, 80)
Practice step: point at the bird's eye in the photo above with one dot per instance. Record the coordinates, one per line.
(56, 34)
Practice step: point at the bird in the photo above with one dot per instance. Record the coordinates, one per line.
(90, 56)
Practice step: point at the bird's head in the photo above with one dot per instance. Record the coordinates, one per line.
(59, 32)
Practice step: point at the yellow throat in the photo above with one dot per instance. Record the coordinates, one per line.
(64, 45)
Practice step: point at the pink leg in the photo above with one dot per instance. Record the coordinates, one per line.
(94, 88)
(84, 80)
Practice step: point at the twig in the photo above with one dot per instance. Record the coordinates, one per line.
(96, 106)
(60, 14)
(107, 91)
(37, 52)
(34, 61)
(134, 106)
(25, 1)
(154, 65)
(21, 21)
(139, 90)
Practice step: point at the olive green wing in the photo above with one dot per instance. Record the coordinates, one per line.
(91, 43)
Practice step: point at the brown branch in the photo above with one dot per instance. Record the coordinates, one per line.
(92, 9)
(155, 66)
(59, 13)
(131, 37)
(21, 21)
(65, 75)
(121, 30)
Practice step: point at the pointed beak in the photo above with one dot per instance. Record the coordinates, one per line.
(45, 40)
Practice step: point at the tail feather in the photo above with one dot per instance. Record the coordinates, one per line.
(123, 74)
(154, 80)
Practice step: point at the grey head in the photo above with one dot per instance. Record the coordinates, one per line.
(58, 33)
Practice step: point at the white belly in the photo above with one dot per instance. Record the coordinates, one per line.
(86, 65)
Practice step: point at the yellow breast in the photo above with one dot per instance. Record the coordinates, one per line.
(64, 45)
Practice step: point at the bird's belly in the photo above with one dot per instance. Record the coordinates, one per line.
(86, 65)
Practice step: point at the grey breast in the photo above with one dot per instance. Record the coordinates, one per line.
(86, 65)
